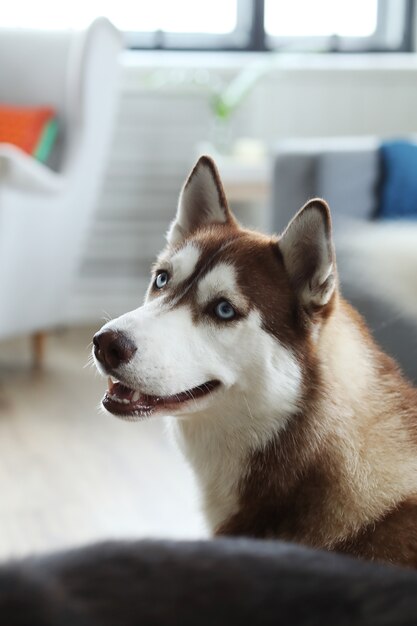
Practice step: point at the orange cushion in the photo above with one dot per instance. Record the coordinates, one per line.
(23, 127)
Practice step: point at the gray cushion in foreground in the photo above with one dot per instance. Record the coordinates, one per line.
(228, 581)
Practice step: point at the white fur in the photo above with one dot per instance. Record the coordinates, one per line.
(220, 281)
(184, 262)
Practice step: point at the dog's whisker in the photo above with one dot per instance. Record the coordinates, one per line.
(106, 317)
(249, 409)
(90, 363)
(192, 396)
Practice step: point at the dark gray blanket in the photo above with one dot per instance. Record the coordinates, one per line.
(207, 583)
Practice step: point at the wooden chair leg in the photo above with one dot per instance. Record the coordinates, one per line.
(38, 349)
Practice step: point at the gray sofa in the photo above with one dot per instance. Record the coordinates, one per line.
(346, 173)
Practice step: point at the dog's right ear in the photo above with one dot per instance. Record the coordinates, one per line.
(308, 252)
(202, 202)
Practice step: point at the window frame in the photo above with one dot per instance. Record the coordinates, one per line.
(250, 34)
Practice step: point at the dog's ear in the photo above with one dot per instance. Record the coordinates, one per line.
(308, 252)
(202, 201)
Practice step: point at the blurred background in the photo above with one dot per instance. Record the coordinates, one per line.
(104, 108)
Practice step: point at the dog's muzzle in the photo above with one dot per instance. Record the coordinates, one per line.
(112, 349)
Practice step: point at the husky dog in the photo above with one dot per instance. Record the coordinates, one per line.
(297, 425)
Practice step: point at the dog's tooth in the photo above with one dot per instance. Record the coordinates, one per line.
(136, 396)
(125, 401)
(109, 383)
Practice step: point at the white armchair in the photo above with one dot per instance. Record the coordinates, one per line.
(45, 213)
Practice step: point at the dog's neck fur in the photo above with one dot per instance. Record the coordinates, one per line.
(326, 471)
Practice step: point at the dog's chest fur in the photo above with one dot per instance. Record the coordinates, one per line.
(218, 444)
(218, 464)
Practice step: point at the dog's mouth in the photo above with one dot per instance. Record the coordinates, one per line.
(125, 402)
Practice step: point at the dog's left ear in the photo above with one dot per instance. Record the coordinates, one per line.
(202, 202)
(308, 252)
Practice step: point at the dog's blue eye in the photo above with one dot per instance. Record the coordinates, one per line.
(161, 280)
(224, 310)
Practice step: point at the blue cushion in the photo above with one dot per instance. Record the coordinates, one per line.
(398, 192)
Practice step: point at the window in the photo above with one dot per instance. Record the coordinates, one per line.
(147, 24)
(306, 25)
(303, 18)
(341, 25)
(190, 24)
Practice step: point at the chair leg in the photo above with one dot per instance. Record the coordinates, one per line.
(38, 349)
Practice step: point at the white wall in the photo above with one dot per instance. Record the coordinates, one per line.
(158, 131)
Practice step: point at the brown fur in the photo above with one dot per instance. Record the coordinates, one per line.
(393, 538)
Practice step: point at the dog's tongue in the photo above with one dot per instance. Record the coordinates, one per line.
(119, 390)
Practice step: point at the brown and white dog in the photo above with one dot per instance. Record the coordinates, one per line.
(297, 425)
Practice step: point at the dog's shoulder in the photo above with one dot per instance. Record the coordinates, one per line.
(392, 539)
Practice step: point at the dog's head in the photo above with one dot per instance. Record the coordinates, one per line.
(230, 315)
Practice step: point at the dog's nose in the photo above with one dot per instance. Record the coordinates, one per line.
(113, 348)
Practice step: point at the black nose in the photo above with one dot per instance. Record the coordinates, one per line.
(113, 348)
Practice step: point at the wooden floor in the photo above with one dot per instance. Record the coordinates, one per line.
(70, 474)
